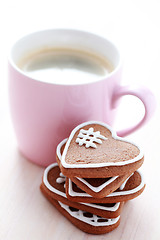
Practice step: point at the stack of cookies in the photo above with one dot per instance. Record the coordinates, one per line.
(96, 172)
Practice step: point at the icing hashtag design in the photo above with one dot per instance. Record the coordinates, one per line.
(88, 137)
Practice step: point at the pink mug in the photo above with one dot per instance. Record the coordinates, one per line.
(44, 113)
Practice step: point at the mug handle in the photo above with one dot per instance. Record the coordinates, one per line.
(146, 97)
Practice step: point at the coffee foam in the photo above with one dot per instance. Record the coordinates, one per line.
(64, 66)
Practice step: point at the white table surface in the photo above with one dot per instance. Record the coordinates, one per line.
(134, 26)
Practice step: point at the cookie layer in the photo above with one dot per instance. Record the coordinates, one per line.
(99, 187)
(130, 189)
(53, 187)
(85, 221)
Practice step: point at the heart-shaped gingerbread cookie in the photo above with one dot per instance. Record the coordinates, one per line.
(93, 150)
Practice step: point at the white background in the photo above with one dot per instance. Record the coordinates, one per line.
(135, 28)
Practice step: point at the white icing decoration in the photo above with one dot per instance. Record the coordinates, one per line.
(52, 189)
(61, 175)
(58, 150)
(60, 180)
(89, 220)
(113, 194)
(124, 183)
(93, 165)
(99, 188)
(88, 137)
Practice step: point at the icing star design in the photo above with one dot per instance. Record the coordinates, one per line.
(88, 137)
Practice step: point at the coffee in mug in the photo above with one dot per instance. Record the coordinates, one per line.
(65, 66)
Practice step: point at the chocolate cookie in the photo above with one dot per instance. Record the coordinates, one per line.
(93, 150)
(130, 189)
(53, 187)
